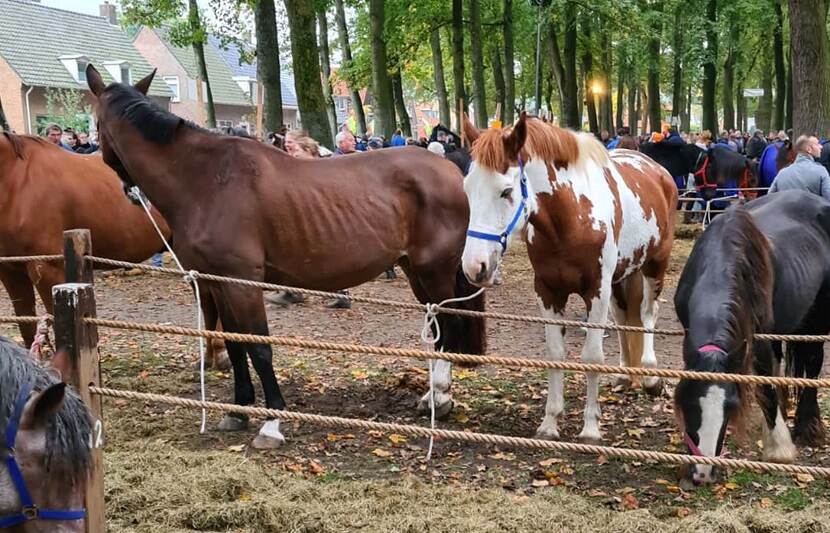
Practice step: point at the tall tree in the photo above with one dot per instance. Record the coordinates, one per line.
(810, 66)
(477, 64)
(199, 39)
(710, 116)
(729, 78)
(509, 60)
(460, 93)
(570, 96)
(788, 115)
(621, 73)
(323, 36)
(654, 111)
(498, 79)
(780, 68)
(606, 112)
(763, 117)
(268, 63)
(400, 104)
(556, 67)
(306, 63)
(438, 76)
(588, 75)
(633, 101)
(346, 49)
(381, 84)
(677, 74)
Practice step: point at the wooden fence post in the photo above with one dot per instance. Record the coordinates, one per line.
(73, 302)
(77, 243)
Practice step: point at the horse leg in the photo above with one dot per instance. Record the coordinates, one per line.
(554, 351)
(778, 446)
(216, 355)
(622, 316)
(22, 295)
(648, 318)
(44, 276)
(809, 429)
(592, 353)
(242, 310)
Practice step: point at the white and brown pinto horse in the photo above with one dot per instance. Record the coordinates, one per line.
(598, 225)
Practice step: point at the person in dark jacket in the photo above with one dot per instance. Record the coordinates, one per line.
(755, 146)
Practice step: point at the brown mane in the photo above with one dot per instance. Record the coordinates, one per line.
(16, 142)
(545, 141)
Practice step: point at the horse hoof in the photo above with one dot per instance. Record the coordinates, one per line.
(233, 423)
(593, 440)
(222, 362)
(441, 411)
(264, 442)
(654, 390)
(546, 434)
(623, 383)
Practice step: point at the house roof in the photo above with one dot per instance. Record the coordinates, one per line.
(231, 56)
(36, 36)
(225, 90)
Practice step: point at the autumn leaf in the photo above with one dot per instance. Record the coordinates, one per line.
(629, 502)
(539, 483)
(375, 434)
(683, 512)
(236, 448)
(380, 452)
(765, 503)
(551, 461)
(661, 481)
(394, 438)
(602, 459)
(243, 497)
(315, 468)
(359, 374)
(461, 417)
(804, 478)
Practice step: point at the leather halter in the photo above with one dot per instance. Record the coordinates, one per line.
(29, 510)
(701, 172)
(501, 238)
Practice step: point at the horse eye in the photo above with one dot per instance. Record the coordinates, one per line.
(507, 193)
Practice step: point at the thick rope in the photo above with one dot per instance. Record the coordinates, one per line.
(41, 338)
(12, 319)
(31, 258)
(466, 436)
(518, 362)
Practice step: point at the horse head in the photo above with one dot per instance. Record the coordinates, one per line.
(105, 113)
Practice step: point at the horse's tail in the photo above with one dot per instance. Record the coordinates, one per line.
(473, 337)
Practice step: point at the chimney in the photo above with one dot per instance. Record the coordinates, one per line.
(107, 11)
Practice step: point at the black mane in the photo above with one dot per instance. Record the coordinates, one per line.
(67, 439)
(154, 123)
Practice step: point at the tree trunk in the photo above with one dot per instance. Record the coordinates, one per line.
(654, 111)
(498, 79)
(638, 113)
(509, 75)
(632, 102)
(620, 89)
(686, 121)
(570, 98)
(199, 51)
(346, 49)
(740, 106)
(811, 71)
(606, 110)
(458, 58)
(309, 89)
(728, 80)
(780, 68)
(479, 93)
(555, 60)
(381, 84)
(268, 64)
(588, 75)
(331, 112)
(763, 117)
(710, 113)
(788, 119)
(400, 104)
(438, 77)
(677, 74)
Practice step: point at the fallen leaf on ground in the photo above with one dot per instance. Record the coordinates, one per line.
(315, 468)
(236, 448)
(629, 502)
(380, 452)
(394, 438)
(804, 478)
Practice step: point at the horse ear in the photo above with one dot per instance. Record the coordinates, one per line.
(514, 142)
(93, 79)
(143, 85)
(42, 407)
(470, 131)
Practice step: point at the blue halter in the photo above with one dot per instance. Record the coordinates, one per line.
(501, 238)
(30, 511)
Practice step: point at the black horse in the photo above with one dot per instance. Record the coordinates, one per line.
(453, 149)
(717, 168)
(760, 268)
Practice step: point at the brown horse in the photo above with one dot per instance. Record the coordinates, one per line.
(241, 208)
(597, 225)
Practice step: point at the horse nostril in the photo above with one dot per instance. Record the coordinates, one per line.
(482, 272)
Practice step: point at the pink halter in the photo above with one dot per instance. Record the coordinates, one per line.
(707, 348)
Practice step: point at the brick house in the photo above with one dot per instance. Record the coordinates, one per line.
(44, 48)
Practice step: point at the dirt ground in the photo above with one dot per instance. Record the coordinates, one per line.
(162, 475)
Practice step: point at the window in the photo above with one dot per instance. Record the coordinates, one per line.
(173, 84)
(224, 123)
(342, 104)
(125, 73)
(81, 70)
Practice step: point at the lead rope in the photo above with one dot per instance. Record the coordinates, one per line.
(430, 338)
(190, 277)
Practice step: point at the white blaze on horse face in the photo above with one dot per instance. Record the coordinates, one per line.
(712, 420)
(494, 199)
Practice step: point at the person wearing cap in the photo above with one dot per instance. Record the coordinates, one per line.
(755, 146)
(804, 174)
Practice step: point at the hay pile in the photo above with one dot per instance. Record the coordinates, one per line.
(155, 487)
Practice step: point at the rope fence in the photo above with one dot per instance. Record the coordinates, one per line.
(31, 258)
(466, 436)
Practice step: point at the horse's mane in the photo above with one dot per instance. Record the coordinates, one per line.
(67, 438)
(727, 163)
(16, 142)
(784, 156)
(154, 123)
(548, 142)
